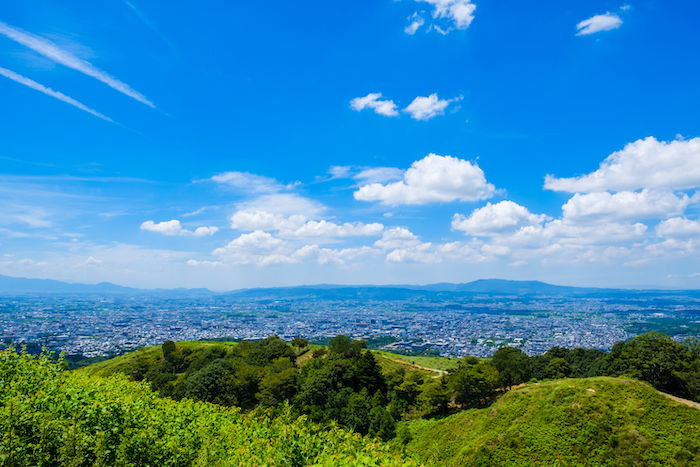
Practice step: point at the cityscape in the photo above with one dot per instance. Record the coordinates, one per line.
(469, 324)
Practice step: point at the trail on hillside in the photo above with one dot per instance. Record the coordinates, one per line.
(418, 367)
(680, 400)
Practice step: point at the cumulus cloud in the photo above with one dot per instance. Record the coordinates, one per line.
(174, 228)
(263, 249)
(454, 14)
(432, 179)
(397, 237)
(496, 218)
(679, 227)
(300, 226)
(598, 23)
(53, 52)
(645, 163)
(374, 101)
(9, 74)
(425, 108)
(624, 205)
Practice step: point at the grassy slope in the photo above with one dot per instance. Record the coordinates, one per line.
(591, 421)
(124, 363)
(435, 363)
(431, 366)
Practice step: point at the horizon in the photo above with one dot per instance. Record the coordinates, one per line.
(413, 142)
(359, 285)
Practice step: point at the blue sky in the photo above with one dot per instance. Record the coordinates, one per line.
(234, 144)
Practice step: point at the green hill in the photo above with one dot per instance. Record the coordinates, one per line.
(128, 362)
(587, 421)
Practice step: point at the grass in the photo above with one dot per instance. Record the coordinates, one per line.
(433, 363)
(125, 363)
(590, 421)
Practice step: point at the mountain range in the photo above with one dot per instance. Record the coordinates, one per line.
(19, 285)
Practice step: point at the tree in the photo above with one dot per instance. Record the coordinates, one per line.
(472, 385)
(382, 424)
(278, 384)
(512, 365)
(655, 358)
(369, 374)
(435, 398)
(557, 368)
(300, 342)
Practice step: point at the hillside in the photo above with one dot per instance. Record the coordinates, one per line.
(588, 421)
(430, 366)
(54, 417)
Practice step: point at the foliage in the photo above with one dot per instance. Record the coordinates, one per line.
(52, 417)
(474, 383)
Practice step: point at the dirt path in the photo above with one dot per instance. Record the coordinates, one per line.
(682, 401)
(418, 367)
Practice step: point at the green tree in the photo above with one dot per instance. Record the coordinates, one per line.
(512, 365)
(473, 382)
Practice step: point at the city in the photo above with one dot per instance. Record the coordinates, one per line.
(99, 326)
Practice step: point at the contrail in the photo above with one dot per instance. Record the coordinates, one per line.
(50, 92)
(52, 51)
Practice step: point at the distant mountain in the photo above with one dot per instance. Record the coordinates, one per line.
(502, 286)
(23, 285)
(19, 285)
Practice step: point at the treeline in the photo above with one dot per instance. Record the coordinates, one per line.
(669, 366)
(343, 382)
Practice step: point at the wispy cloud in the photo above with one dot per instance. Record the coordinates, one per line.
(50, 92)
(52, 51)
(598, 23)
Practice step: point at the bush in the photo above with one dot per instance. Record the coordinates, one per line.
(52, 417)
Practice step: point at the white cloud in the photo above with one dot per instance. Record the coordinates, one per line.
(52, 51)
(598, 23)
(300, 226)
(432, 179)
(373, 101)
(378, 175)
(249, 182)
(421, 253)
(679, 227)
(174, 228)
(457, 14)
(263, 249)
(257, 247)
(325, 228)
(645, 163)
(50, 92)
(425, 108)
(397, 237)
(624, 205)
(284, 204)
(339, 171)
(205, 263)
(496, 218)
(416, 22)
